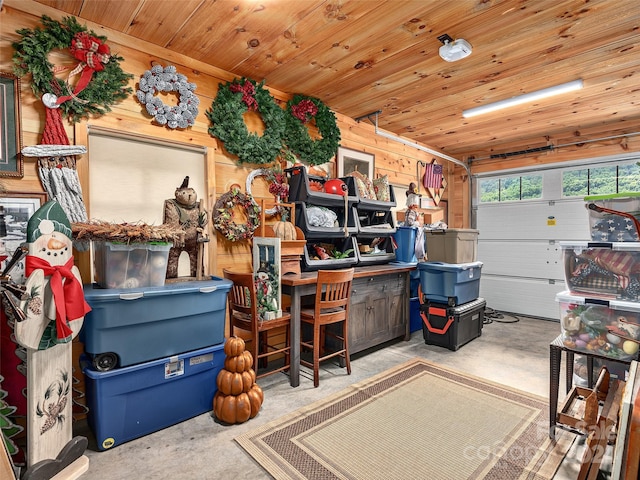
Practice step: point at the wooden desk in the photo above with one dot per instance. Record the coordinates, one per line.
(303, 284)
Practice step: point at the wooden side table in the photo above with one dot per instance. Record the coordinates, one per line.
(556, 347)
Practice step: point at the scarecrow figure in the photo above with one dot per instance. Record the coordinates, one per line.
(54, 308)
(185, 210)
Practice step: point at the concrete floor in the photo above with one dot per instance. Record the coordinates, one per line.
(507, 352)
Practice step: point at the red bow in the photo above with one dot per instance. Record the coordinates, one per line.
(303, 110)
(93, 54)
(248, 94)
(68, 296)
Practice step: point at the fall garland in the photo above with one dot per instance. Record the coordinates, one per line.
(102, 81)
(232, 101)
(300, 111)
(223, 215)
(167, 79)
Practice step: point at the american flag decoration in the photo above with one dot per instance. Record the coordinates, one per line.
(432, 176)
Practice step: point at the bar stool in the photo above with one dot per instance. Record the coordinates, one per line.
(333, 295)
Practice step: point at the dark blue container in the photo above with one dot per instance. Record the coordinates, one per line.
(131, 402)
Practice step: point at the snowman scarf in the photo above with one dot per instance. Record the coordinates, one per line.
(68, 296)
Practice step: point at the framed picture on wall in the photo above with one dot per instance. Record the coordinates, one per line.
(267, 276)
(353, 160)
(11, 162)
(17, 209)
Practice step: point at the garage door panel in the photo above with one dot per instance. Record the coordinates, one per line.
(523, 296)
(521, 258)
(560, 220)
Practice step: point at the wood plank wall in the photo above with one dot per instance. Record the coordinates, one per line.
(391, 158)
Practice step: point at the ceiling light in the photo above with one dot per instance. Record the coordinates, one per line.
(451, 50)
(526, 98)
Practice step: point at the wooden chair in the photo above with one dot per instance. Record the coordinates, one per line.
(243, 314)
(333, 295)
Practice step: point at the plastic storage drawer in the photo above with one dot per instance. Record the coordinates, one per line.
(614, 218)
(602, 269)
(130, 402)
(449, 283)
(452, 245)
(129, 326)
(453, 327)
(610, 328)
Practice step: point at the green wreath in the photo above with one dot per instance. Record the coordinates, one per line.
(107, 83)
(300, 111)
(223, 215)
(226, 114)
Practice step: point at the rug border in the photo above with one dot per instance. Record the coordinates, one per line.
(248, 440)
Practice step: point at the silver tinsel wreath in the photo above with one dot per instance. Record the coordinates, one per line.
(166, 79)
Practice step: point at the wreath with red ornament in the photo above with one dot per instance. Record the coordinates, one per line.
(301, 111)
(101, 82)
(223, 218)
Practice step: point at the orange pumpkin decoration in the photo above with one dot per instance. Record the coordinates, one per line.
(234, 346)
(238, 397)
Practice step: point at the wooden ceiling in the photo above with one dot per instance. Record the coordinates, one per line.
(363, 56)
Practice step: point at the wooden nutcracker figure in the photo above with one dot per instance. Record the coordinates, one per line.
(55, 307)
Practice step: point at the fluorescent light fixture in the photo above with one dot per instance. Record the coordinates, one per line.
(526, 98)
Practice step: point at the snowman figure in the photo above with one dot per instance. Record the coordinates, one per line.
(54, 306)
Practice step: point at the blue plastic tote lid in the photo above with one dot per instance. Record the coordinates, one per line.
(450, 267)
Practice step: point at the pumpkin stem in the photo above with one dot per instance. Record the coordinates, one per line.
(284, 214)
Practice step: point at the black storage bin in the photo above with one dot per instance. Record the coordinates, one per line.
(300, 190)
(375, 222)
(384, 253)
(311, 263)
(452, 327)
(369, 203)
(313, 231)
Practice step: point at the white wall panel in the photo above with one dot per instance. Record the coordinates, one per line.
(525, 296)
(552, 220)
(521, 258)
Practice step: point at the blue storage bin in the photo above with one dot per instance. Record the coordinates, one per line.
(131, 402)
(415, 320)
(129, 326)
(405, 238)
(450, 283)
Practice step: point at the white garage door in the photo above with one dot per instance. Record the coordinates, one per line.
(518, 241)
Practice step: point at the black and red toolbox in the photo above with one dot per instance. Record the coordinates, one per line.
(452, 327)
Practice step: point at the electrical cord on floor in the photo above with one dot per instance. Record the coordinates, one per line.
(491, 315)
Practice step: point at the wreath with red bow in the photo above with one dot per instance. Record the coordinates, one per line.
(232, 101)
(101, 83)
(301, 110)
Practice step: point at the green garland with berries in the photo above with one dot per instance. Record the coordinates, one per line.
(300, 111)
(232, 101)
(108, 84)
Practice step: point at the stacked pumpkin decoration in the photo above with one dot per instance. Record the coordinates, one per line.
(239, 397)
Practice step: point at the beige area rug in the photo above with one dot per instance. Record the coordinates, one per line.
(415, 421)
